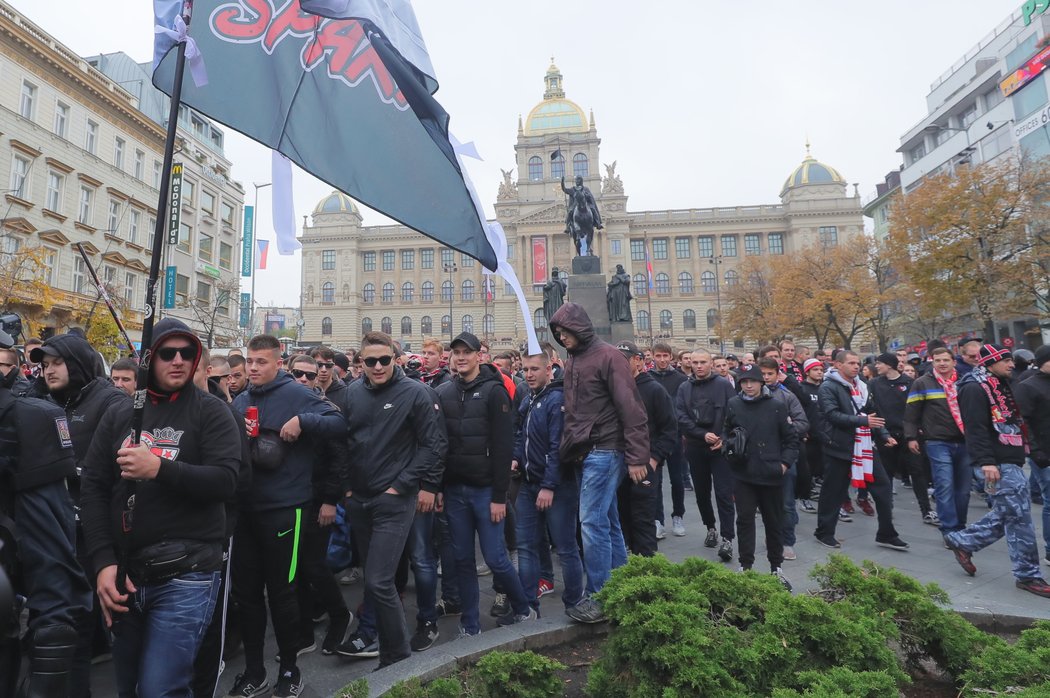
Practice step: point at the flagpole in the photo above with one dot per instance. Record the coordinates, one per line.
(103, 293)
(145, 356)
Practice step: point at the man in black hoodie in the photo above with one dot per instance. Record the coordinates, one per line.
(269, 527)
(1033, 395)
(480, 426)
(69, 377)
(154, 517)
(669, 378)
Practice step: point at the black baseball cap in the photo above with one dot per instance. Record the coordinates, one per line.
(629, 349)
(468, 340)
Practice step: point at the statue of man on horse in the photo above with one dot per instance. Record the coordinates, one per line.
(582, 217)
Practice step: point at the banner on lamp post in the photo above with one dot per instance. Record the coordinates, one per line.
(246, 308)
(247, 249)
(175, 206)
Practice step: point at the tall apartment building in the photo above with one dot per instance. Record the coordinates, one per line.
(357, 278)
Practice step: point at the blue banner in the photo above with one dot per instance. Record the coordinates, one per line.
(246, 309)
(246, 241)
(169, 287)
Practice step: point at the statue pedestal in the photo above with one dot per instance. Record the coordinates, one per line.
(587, 287)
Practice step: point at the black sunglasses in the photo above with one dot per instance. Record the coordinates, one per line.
(325, 364)
(168, 353)
(373, 360)
(310, 375)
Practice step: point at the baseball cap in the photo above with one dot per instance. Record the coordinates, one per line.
(468, 340)
(629, 349)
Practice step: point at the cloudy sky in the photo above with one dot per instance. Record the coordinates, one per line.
(701, 102)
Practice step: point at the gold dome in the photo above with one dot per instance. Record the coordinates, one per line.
(555, 114)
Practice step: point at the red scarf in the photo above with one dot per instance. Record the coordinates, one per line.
(951, 392)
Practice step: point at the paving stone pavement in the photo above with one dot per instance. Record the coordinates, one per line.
(992, 591)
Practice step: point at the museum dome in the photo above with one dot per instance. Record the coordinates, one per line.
(555, 114)
(812, 171)
(336, 202)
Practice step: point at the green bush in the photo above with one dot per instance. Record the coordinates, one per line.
(840, 682)
(518, 675)
(355, 689)
(1001, 666)
(438, 688)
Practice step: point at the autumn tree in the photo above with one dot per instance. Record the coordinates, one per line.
(971, 242)
(24, 286)
(753, 307)
(214, 312)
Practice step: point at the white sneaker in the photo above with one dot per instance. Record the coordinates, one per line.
(677, 526)
(660, 532)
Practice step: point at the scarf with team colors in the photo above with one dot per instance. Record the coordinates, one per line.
(862, 467)
(951, 393)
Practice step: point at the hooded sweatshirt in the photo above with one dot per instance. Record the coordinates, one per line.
(603, 409)
(199, 447)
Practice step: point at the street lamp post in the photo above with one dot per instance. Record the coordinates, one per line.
(717, 262)
(255, 243)
(450, 269)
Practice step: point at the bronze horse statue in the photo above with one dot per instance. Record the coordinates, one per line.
(582, 224)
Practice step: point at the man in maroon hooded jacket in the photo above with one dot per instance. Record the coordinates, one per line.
(605, 428)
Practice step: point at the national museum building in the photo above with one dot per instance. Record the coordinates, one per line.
(359, 278)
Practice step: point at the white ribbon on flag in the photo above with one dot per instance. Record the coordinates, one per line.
(181, 34)
(498, 239)
(283, 207)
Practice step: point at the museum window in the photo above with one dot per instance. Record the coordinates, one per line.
(642, 321)
(579, 165)
(731, 277)
(388, 293)
(466, 261)
(666, 321)
(327, 260)
(708, 282)
(408, 260)
(638, 250)
(426, 325)
(406, 325)
(468, 324)
(426, 293)
(370, 261)
(426, 258)
(681, 248)
(446, 324)
(369, 293)
(685, 283)
(467, 290)
(387, 325)
(557, 166)
(640, 285)
(752, 244)
(689, 319)
(776, 243)
(366, 325)
(828, 235)
(705, 246)
(729, 245)
(663, 284)
(388, 260)
(539, 319)
(326, 327)
(447, 289)
(408, 290)
(327, 293)
(617, 247)
(535, 169)
(488, 325)
(447, 257)
(660, 248)
(712, 319)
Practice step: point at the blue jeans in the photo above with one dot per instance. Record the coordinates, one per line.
(560, 520)
(1042, 479)
(467, 509)
(952, 479)
(156, 641)
(422, 553)
(603, 546)
(790, 510)
(1011, 516)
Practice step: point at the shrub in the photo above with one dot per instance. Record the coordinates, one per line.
(840, 682)
(438, 688)
(518, 675)
(1002, 666)
(355, 689)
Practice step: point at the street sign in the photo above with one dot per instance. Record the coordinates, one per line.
(169, 286)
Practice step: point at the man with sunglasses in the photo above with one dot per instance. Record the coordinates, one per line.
(397, 447)
(270, 526)
(328, 382)
(158, 509)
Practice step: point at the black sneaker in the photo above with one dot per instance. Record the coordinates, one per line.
(725, 551)
(514, 619)
(425, 637)
(336, 633)
(448, 608)
(586, 611)
(828, 541)
(248, 687)
(712, 538)
(359, 647)
(500, 607)
(893, 544)
(289, 684)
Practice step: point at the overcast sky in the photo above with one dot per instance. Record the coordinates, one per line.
(701, 103)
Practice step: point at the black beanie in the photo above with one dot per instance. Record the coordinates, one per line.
(889, 359)
(1042, 355)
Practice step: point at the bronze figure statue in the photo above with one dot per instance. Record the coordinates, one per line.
(553, 294)
(618, 297)
(581, 217)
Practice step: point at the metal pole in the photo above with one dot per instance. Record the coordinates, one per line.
(717, 261)
(255, 242)
(450, 268)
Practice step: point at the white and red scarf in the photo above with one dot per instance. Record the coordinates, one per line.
(951, 393)
(1006, 417)
(862, 466)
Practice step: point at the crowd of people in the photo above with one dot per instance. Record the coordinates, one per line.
(261, 482)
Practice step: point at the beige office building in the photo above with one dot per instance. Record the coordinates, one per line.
(357, 278)
(83, 155)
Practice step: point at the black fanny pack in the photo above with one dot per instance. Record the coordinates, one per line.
(268, 450)
(164, 561)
